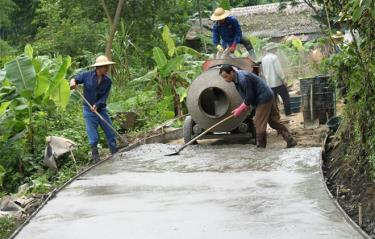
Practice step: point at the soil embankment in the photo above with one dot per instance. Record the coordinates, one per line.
(349, 182)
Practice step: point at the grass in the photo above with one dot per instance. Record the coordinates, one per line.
(7, 225)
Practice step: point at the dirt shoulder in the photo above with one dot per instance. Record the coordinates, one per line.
(305, 137)
(349, 181)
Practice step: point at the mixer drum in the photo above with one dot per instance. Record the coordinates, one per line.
(211, 99)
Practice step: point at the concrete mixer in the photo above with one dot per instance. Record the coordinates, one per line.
(211, 99)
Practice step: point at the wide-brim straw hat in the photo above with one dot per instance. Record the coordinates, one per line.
(102, 61)
(271, 45)
(220, 14)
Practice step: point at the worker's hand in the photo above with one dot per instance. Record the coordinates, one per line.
(232, 48)
(240, 109)
(219, 48)
(93, 108)
(73, 84)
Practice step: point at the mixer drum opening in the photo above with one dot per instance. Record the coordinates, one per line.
(214, 102)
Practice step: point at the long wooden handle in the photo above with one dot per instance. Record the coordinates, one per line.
(101, 117)
(205, 132)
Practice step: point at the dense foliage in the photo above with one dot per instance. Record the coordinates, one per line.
(353, 69)
(150, 79)
(152, 73)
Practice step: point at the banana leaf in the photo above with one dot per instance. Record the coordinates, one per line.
(167, 37)
(61, 94)
(58, 89)
(21, 73)
(172, 65)
(2, 76)
(159, 57)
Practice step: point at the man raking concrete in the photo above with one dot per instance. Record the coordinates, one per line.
(96, 88)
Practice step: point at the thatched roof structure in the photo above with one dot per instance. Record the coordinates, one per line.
(268, 21)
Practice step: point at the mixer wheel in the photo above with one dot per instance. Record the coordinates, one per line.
(188, 129)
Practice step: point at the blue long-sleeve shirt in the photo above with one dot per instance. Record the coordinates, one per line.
(96, 94)
(252, 88)
(228, 32)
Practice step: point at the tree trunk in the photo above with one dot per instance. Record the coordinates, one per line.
(176, 99)
(110, 21)
(113, 25)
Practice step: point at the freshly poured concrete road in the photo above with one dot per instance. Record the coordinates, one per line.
(209, 191)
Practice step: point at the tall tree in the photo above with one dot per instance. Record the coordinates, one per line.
(6, 9)
(113, 24)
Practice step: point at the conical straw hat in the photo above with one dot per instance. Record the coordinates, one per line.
(102, 61)
(220, 14)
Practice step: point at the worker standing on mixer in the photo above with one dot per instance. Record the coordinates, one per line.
(227, 33)
(257, 94)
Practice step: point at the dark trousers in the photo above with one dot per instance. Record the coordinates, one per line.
(92, 123)
(283, 92)
(247, 44)
(268, 113)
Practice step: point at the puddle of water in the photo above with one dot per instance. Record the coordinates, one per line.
(209, 191)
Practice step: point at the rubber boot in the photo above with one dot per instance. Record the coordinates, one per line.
(112, 145)
(252, 130)
(113, 149)
(290, 141)
(95, 154)
(262, 140)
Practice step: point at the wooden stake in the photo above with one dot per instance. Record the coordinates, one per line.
(360, 214)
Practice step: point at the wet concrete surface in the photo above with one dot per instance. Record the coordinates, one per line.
(209, 191)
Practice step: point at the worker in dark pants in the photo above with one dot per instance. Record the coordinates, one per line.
(96, 88)
(258, 95)
(227, 33)
(274, 75)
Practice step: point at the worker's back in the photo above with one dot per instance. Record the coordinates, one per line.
(272, 71)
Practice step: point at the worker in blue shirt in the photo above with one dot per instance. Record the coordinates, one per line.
(259, 96)
(227, 33)
(96, 88)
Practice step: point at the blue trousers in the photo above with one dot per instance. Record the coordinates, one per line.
(92, 122)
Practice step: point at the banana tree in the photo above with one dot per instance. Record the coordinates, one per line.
(174, 70)
(28, 84)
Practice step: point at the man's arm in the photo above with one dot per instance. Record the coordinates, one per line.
(237, 31)
(76, 80)
(237, 35)
(250, 97)
(215, 35)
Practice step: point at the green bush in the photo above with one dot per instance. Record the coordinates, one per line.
(7, 225)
